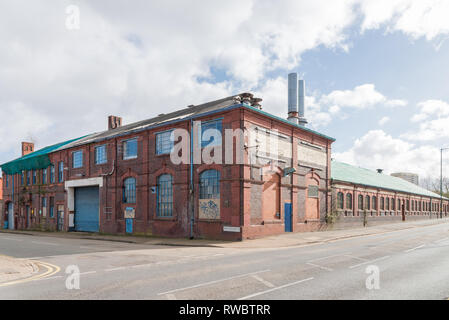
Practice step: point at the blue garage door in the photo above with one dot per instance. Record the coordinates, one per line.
(87, 214)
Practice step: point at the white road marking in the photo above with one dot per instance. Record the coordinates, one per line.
(88, 272)
(12, 239)
(265, 282)
(441, 240)
(274, 289)
(46, 243)
(413, 249)
(212, 282)
(356, 258)
(318, 266)
(367, 262)
(143, 265)
(332, 256)
(115, 269)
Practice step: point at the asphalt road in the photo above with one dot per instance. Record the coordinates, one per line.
(405, 264)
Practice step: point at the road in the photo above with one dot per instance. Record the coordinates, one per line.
(404, 264)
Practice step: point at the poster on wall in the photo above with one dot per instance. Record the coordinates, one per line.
(209, 209)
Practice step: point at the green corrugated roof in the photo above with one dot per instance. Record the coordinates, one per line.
(33, 161)
(347, 173)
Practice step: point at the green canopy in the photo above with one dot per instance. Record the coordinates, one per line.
(33, 161)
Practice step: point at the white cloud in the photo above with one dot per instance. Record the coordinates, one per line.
(361, 97)
(428, 108)
(396, 103)
(377, 149)
(433, 119)
(138, 60)
(384, 120)
(423, 18)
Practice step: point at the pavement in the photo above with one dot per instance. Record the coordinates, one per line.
(277, 241)
(400, 261)
(12, 269)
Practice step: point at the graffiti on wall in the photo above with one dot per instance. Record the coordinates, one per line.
(209, 209)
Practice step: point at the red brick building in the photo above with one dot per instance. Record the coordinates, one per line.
(262, 175)
(123, 179)
(363, 197)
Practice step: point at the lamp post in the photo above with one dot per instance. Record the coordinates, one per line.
(441, 182)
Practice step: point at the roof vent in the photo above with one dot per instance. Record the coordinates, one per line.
(246, 98)
(380, 170)
(256, 103)
(190, 106)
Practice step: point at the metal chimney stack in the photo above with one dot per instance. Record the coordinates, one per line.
(301, 99)
(293, 98)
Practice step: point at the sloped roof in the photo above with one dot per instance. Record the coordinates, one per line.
(39, 159)
(347, 173)
(35, 160)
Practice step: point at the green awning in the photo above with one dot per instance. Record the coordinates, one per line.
(33, 161)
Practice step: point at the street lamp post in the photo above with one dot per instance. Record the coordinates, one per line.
(441, 182)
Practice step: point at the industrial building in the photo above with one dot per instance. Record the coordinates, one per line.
(408, 176)
(277, 178)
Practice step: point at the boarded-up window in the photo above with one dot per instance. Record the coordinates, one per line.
(312, 192)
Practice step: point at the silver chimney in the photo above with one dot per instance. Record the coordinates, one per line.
(293, 98)
(301, 98)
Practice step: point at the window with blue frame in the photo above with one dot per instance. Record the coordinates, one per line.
(61, 171)
(210, 184)
(34, 177)
(52, 207)
(213, 130)
(44, 176)
(165, 196)
(44, 206)
(52, 174)
(28, 177)
(77, 159)
(129, 190)
(164, 143)
(7, 181)
(130, 149)
(100, 155)
(22, 177)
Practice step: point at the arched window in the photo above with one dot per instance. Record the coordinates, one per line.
(349, 201)
(387, 203)
(210, 184)
(368, 202)
(399, 204)
(382, 204)
(129, 190)
(392, 204)
(340, 200)
(165, 196)
(360, 207)
(374, 203)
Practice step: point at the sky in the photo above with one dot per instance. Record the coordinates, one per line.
(376, 71)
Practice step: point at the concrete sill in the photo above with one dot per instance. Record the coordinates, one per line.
(272, 222)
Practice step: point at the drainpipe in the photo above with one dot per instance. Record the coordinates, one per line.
(191, 189)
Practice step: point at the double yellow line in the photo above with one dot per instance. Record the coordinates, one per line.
(51, 269)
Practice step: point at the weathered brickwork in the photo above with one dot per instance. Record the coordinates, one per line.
(399, 207)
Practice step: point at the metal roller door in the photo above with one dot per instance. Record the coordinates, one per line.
(87, 213)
